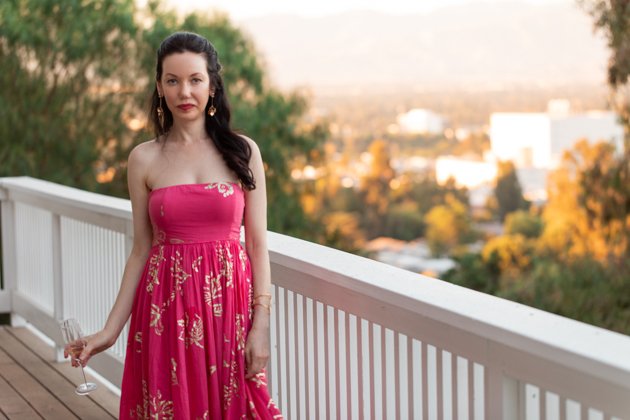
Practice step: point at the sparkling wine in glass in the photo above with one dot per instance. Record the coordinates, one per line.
(73, 335)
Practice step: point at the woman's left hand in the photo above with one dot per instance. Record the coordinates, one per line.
(256, 352)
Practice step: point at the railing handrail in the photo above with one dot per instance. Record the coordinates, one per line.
(593, 350)
(68, 196)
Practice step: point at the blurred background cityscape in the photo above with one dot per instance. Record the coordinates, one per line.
(480, 143)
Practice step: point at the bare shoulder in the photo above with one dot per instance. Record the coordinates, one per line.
(140, 160)
(251, 142)
(144, 153)
(253, 145)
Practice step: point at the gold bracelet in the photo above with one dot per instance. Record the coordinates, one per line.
(265, 306)
(270, 300)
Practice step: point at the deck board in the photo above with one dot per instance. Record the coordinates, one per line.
(103, 396)
(13, 405)
(34, 386)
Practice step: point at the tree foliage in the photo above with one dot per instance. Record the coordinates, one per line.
(508, 191)
(612, 17)
(448, 226)
(588, 213)
(64, 86)
(524, 223)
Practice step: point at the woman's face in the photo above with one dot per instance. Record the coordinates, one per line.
(185, 85)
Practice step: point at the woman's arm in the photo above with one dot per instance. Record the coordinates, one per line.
(255, 221)
(137, 165)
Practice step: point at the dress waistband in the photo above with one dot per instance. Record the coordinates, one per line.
(177, 242)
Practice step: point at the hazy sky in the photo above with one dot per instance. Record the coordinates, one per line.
(242, 9)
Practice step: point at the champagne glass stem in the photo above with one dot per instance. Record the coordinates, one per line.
(83, 374)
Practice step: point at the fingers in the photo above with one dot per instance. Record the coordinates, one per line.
(86, 354)
(256, 366)
(248, 363)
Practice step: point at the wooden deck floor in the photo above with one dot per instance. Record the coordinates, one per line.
(33, 386)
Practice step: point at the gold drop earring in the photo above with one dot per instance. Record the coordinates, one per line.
(212, 109)
(160, 113)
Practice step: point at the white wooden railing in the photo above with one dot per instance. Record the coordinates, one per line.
(350, 337)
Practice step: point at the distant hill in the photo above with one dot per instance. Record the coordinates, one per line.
(474, 43)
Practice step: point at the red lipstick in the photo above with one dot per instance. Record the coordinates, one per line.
(185, 107)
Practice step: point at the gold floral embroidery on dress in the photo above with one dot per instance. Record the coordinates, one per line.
(224, 188)
(142, 411)
(177, 241)
(259, 379)
(227, 265)
(158, 235)
(240, 332)
(213, 369)
(273, 404)
(192, 335)
(197, 263)
(154, 266)
(252, 408)
(180, 276)
(243, 257)
(205, 415)
(173, 375)
(231, 389)
(156, 319)
(152, 409)
(212, 294)
(162, 210)
(139, 340)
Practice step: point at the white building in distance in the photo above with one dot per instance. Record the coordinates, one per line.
(539, 139)
(467, 173)
(480, 177)
(420, 121)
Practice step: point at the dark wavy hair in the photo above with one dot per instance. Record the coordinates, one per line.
(235, 149)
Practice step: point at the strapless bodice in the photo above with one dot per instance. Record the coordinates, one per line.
(192, 213)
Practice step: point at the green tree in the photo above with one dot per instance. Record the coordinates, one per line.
(605, 183)
(587, 213)
(612, 18)
(523, 222)
(448, 226)
(375, 189)
(64, 87)
(508, 190)
(405, 222)
(581, 289)
(343, 232)
(475, 272)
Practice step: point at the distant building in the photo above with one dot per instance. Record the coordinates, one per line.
(539, 139)
(480, 178)
(466, 172)
(420, 121)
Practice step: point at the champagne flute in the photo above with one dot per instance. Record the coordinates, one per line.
(72, 333)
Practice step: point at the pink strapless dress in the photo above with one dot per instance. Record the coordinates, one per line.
(191, 313)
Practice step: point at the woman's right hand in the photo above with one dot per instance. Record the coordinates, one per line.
(94, 344)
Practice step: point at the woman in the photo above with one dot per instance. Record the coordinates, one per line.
(199, 303)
